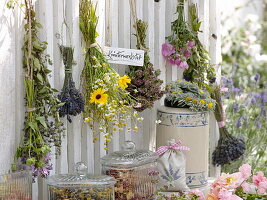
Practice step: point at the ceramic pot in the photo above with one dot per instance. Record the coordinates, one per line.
(192, 128)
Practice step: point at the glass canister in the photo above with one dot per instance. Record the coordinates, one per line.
(81, 186)
(16, 186)
(134, 170)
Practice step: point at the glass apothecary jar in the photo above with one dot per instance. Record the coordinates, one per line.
(134, 170)
(16, 186)
(81, 186)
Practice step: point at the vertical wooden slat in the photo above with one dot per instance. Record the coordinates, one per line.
(216, 58)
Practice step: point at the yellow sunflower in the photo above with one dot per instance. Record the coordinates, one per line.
(99, 96)
(202, 102)
(124, 81)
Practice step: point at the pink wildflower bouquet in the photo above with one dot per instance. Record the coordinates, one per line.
(240, 185)
(184, 49)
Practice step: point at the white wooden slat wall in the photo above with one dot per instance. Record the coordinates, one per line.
(115, 29)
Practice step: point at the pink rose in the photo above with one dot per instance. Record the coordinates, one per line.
(245, 171)
(262, 187)
(167, 49)
(246, 187)
(259, 178)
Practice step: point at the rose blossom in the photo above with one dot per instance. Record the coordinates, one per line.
(167, 49)
(259, 178)
(245, 171)
(246, 187)
(262, 187)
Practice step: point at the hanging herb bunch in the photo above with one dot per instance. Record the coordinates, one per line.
(42, 126)
(108, 105)
(185, 50)
(145, 86)
(229, 147)
(70, 96)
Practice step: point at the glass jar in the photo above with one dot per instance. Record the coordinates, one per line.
(134, 170)
(81, 186)
(16, 186)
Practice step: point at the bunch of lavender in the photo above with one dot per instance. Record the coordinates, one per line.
(145, 86)
(229, 147)
(70, 96)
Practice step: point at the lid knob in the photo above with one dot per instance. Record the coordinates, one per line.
(81, 168)
(128, 146)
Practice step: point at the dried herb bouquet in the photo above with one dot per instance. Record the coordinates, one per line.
(107, 104)
(42, 126)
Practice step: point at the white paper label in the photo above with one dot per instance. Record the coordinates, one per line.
(123, 56)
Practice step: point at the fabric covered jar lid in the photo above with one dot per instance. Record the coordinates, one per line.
(80, 178)
(129, 157)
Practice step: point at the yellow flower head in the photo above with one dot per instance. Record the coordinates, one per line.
(202, 102)
(99, 96)
(188, 99)
(174, 92)
(201, 91)
(194, 101)
(210, 105)
(123, 81)
(230, 180)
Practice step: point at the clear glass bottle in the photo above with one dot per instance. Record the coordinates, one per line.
(16, 186)
(81, 186)
(134, 170)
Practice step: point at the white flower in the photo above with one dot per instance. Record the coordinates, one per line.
(158, 121)
(139, 105)
(261, 58)
(135, 90)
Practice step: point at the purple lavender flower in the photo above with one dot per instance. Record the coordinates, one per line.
(235, 107)
(263, 97)
(167, 49)
(257, 77)
(258, 124)
(238, 123)
(236, 91)
(253, 100)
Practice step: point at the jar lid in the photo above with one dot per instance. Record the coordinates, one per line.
(80, 178)
(129, 157)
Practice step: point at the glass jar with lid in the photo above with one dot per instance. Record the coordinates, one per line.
(16, 185)
(81, 186)
(134, 170)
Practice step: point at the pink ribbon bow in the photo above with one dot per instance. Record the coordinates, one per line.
(176, 146)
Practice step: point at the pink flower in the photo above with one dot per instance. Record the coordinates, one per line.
(245, 171)
(259, 178)
(262, 187)
(170, 60)
(190, 44)
(224, 89)
(246, 187)
(183, 65)
(187, 54)
(227, 195)
(228, 181)
(167, 49)
(198, 193)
